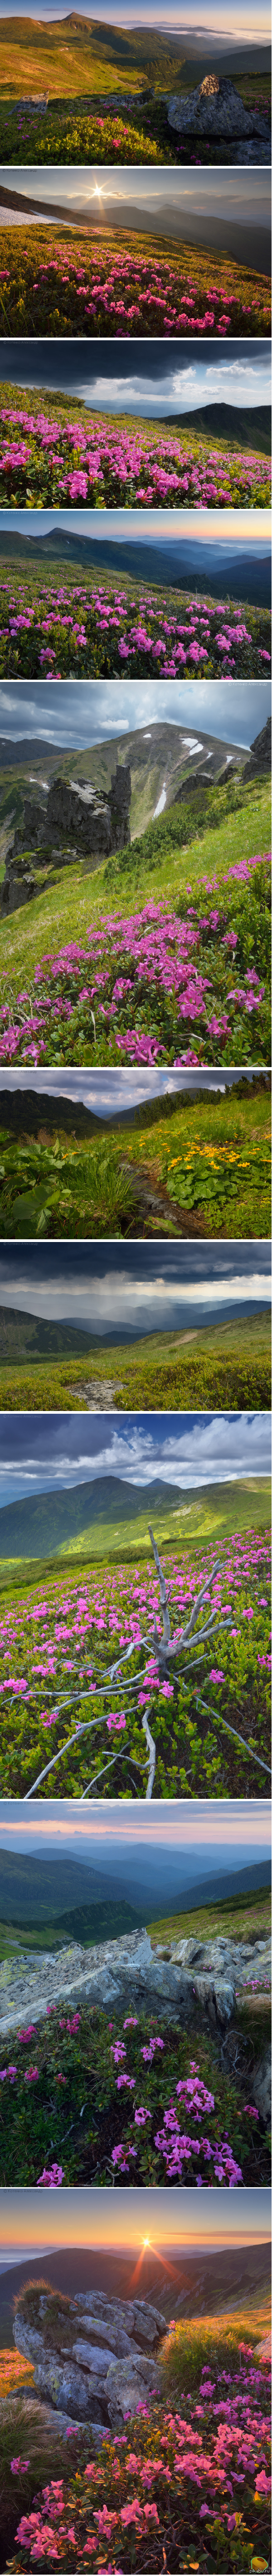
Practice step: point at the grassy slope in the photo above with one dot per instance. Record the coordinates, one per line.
(77, 901)
(237, 1916)
(72, 63)
(242, 1504)
(230, 1366)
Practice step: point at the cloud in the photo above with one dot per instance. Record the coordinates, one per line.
(181, 1449)
(70, 712)
(148, 377)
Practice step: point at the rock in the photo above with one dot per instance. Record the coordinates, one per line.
(125, 2387)
(92, 2358)
(261, 2087)
(259, 764)
(81, 2382)
(257, 153)
(103, 2333)
(119, 1973)
(218, 1999)
(64, 821)
(71, 2390)
(124, 2401)
(116, 2314)
(213, 109)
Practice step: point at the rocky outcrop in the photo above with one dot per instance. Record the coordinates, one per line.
(68, 820)
(94, 2358)
(213, 109)
(114, 1973)
(259, 763)
(261, 2087)
(178, 1979)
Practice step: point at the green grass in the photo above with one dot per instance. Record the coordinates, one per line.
(75, 61)
(230, 1366)
(237, 1916)
(212, 2344)
(242, 1504)
(65, 134)
(233, 824)
(206, 1162)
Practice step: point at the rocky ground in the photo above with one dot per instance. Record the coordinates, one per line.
(94, 2358)
(178, 1977)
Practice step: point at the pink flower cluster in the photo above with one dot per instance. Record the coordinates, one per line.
(163, 954)
(189, 2465)
(107, 461)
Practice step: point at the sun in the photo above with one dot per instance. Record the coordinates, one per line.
(146, 2240)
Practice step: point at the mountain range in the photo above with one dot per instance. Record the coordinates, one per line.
(247, 426)
(82, 1519)
(205, 2282)
(238, 238)
(225, 570)
(39, 1889)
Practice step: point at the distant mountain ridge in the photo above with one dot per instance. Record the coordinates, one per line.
(59, 1888)
(46, 1524)
(249, 426)
(179, 563)
(204, 2281)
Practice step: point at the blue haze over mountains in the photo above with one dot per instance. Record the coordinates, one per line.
(40, 1885)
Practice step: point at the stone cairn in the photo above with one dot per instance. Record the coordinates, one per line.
(95, 2358)
(69, 820)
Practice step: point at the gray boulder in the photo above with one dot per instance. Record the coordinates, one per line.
(125, 2387)
(91, 2358)
(72, 2391)
(104, 2332)
(261, 2087)
(214, 108)
(82, 2380)
(259, 764)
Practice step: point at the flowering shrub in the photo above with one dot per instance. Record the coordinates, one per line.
(136, 130)
(125, 2115)
(55, 1651)
(92, 137)
(84, 629)
(194, 2477)
(154, 985)
(52, 454)
(49, 283)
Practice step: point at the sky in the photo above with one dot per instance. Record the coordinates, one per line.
(145, 378)
(54, 1452)
(238, 197)
(167, 2221)
(242, 531)
(143, 1289)
(240, 1829)
(232, 28)
(107, 1091)
(77, 713)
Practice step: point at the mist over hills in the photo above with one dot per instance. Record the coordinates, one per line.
(75, 1895)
